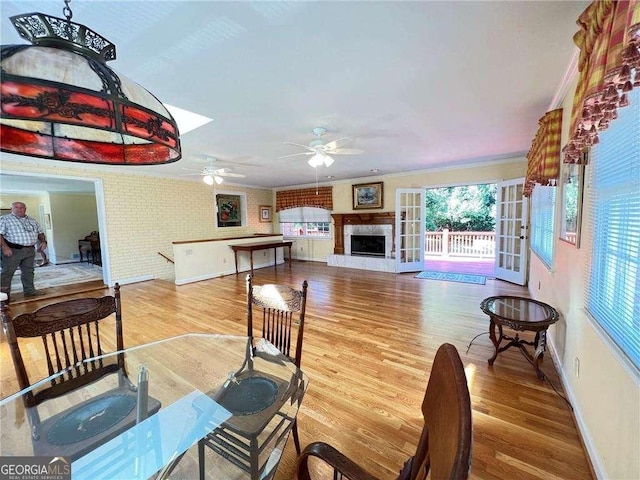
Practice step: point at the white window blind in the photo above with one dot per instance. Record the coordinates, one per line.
(613, 294)
(543, 201)
(304, 215)
(305, 222)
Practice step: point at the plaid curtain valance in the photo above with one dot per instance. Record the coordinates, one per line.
(322, 197)
(543, 165)
(609, 68)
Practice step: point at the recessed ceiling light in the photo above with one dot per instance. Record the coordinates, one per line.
(187, 120)
(374, 170)
(329, 176)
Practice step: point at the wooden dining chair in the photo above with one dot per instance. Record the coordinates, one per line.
(72, 338)
(444, 448)
(280, 316)
(281, 322)
(278, 306)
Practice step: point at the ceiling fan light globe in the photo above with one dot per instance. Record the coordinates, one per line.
(208, 179)
(316, 160)
(328, 161)
(218, 179)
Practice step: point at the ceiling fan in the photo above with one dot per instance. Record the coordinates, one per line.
(210, 173)
(322, 150)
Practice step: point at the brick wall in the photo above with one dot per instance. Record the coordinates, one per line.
(145, 214)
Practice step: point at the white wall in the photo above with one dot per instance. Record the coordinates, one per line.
(318, 249)
(201, 260)
(73, 216)
(605, 390)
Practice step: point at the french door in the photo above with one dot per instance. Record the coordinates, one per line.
(511, 232)
(410, 229)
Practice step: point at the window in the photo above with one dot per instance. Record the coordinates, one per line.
(543, 203)
(305, 222)
(613, 297)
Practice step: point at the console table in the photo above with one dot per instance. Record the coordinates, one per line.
(252, 247)
(520, 314)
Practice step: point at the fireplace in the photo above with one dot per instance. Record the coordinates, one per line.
(373, 245)
(348, 224)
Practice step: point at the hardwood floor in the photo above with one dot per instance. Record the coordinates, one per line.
(370, 339)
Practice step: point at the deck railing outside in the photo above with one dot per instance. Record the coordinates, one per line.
(460, 244)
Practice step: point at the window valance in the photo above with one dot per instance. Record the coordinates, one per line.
(609, 68)
(305, 215)
(543, 159)
(322, 197)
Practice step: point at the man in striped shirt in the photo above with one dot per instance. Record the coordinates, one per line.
(19, 234)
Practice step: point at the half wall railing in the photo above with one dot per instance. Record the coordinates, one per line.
(460, 244)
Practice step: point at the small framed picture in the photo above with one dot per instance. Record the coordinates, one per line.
(367, 195)
(265, 213)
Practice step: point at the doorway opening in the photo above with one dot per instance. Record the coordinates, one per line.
(460, 229)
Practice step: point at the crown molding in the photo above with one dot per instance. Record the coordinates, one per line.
(567, 79)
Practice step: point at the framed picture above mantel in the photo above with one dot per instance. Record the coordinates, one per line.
(368, 195)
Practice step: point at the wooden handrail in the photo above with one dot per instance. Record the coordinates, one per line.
(463, 244)
(165, 257)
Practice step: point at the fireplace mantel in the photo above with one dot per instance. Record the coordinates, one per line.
(342, 219)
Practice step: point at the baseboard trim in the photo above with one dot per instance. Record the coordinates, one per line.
(209, 276)
(597, 468)
(127, 281)
(200, 278)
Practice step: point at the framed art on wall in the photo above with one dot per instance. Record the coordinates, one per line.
(265, 213)
(367, 195)
(229, 210)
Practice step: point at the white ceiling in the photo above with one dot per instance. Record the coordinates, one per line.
(415, 84)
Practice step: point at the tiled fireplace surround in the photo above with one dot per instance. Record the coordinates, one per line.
(346, 225)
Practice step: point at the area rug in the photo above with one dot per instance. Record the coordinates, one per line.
(57, 275)
(453, 277)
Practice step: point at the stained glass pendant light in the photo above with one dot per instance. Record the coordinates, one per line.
(60, 100)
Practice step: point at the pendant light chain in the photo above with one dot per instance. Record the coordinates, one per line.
(316, 169)
(66, 11)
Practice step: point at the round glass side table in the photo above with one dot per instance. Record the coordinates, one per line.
(519, 314)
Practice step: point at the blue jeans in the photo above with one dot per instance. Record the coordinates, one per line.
(23, 258)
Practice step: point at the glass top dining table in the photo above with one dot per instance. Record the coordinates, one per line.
(188, 376)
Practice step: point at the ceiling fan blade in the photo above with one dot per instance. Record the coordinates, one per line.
(296, 154)
(334, 144)
(346, 151)
(192, 169)
(306, 147)
(229, 174)
(190, 174)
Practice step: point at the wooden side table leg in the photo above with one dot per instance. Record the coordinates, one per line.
(289, 256)
(540, 348)
(235, 256)
(251, 260)
(494, 340)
